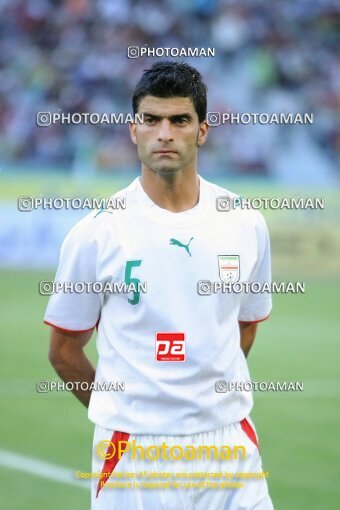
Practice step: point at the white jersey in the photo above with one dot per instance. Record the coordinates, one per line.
(167, 342)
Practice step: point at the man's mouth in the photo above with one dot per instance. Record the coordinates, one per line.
(165, 151)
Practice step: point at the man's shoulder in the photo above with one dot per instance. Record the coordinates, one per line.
(100, 221)
(217, 190)
(233, 205)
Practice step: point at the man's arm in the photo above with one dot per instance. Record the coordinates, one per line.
(248, 332)
(69, 360)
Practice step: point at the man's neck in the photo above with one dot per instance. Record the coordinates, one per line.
(177, 192)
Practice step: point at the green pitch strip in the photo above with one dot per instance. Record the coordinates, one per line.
(45, 470)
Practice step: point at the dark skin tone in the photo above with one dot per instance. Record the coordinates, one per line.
(167, 144)
(248, 333)
(69, 360)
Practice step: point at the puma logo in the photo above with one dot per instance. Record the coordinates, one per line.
(174, 242)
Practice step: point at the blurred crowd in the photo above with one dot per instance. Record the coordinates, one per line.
(71, 56)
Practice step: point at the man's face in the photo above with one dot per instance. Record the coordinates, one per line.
(167, 140)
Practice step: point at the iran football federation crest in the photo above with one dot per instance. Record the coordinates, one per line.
(229, 268)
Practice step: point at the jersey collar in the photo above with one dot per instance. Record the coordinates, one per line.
(165, 216)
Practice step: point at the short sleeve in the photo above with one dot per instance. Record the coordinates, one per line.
(256, 306)
(78, 259)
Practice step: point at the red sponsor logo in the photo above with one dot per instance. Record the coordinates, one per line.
(170, 347)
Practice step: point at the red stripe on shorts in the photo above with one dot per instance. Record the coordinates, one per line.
(110, 463)
(248, 429)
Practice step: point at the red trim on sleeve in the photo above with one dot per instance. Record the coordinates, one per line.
(111, 462)
(254, 322)
(249, 431)
(97, 324)
(68, 330)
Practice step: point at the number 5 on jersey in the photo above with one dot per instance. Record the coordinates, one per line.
(130, 264)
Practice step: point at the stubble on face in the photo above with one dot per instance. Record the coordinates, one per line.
(168, 138)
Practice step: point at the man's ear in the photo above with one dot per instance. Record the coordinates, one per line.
(202, 133)
(132, 127)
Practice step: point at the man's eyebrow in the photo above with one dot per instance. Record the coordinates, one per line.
(186, 115)
(147, 114)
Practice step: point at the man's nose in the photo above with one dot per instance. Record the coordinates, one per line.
(165, 131)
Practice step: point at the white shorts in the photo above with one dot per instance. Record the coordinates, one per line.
(166, 480)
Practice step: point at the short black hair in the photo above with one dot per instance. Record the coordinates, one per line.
(172, 79)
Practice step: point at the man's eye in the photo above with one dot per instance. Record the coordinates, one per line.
(149, 120)
(180, 121)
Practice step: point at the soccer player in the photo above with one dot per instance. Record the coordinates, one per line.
(181, 346)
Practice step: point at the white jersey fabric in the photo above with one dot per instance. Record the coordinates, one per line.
(171, 253)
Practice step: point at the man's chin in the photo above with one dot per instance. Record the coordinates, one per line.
(165, 169)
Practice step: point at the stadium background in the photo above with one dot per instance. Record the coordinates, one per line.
(70, 56)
